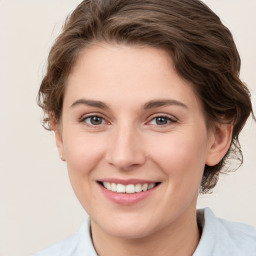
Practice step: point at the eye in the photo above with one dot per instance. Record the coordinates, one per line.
(162, 120)
(94, 120)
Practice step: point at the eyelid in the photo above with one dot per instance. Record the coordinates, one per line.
(170, 117)
(84, 117)
(149, 119)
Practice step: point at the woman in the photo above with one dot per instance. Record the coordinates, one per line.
(146, 104)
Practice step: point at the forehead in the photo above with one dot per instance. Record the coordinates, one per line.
(133, 74)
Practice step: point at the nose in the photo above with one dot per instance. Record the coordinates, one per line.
(126, 149)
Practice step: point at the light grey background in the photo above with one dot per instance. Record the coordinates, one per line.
(37, 204)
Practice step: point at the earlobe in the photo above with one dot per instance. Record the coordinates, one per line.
(56, 127)
(220, 143)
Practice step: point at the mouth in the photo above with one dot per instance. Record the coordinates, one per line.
(129, 188)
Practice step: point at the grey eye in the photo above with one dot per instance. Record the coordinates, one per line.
(160, 120)
(94, 120)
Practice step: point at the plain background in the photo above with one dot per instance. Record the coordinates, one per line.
(37, 204)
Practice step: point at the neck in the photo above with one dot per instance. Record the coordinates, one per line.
(178, 239)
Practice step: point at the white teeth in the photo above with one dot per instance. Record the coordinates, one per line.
(138, 188)
(120, 188)
(108, 186)
(129, 189)
(145, 187)
(113, 187)
(150, 186)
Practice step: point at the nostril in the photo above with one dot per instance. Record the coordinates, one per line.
(125, 151)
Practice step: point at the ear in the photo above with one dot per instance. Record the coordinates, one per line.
(56, 127)
(219, 144)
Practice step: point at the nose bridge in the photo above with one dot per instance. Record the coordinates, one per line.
(126, 149)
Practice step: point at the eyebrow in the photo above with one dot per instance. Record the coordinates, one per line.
(149, 105)
(162, 103)
(91, 103)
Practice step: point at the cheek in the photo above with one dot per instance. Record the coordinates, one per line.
(83, 152)
(182, 160)
(181, 157)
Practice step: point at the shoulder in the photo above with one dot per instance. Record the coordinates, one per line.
(78, 244)
(222, 237)
(65, 247)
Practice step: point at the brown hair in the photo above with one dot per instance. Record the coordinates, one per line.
(202, 49)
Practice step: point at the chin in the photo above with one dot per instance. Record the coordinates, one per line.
(130, 232)
(133, 227)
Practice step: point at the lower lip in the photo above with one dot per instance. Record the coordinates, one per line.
(126, 198)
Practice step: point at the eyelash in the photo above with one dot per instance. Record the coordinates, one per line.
(167, 118)
(84, 118)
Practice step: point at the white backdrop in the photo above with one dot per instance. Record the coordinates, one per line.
(37, 204)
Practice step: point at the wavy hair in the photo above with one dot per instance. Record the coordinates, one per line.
(201, 47)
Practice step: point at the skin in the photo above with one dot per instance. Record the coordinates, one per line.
(129, 142)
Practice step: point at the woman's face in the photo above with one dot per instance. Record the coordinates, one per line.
(131, 123)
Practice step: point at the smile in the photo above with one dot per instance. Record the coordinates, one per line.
(130, 188)
(127, 192)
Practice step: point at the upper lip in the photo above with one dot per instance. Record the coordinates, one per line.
(127, 181)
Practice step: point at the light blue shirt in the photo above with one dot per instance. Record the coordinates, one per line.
(219, 238)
